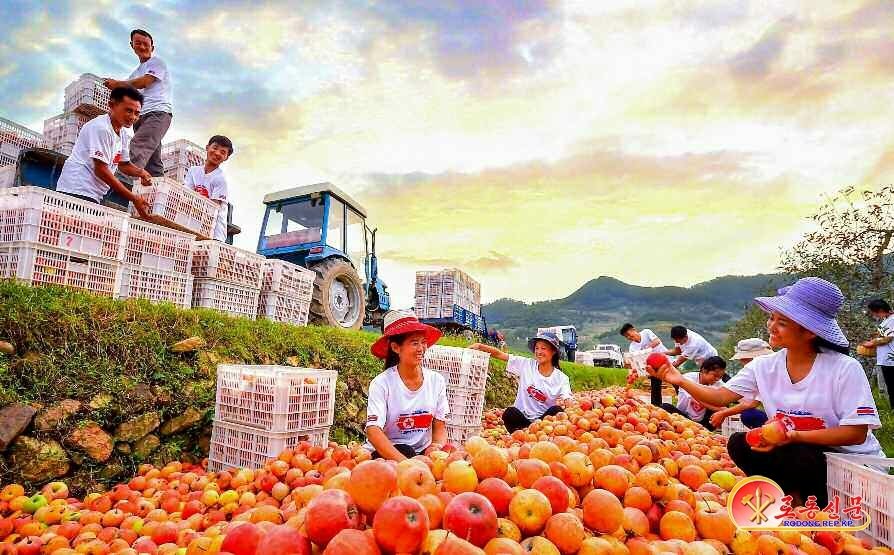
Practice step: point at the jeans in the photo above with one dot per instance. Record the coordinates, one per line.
(888, 375)
(515, 419)
(405, 450)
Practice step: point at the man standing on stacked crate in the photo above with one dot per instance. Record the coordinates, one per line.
(154, 80)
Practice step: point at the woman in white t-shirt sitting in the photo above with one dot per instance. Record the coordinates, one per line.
(710, 374)
(407, 403)
(543, 388)
(811, 385)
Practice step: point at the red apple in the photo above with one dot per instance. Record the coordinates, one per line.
(400, 525)
(555, 490)
(472, 517)
(242, 540)
(498, 492)
(328, 514)
(284, 540)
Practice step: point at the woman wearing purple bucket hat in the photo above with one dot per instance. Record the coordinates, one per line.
(811, 384)
(542, 387)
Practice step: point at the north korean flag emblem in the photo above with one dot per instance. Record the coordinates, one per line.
(414, 422)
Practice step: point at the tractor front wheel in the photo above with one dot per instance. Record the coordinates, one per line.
(338, 298)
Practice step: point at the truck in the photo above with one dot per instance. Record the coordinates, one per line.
(320, 227)
(608, 356)
(461, 321)
(567, 338)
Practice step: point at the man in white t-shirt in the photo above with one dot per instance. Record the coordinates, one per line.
(209, 181)
(645, 340)
(101, 149)
(690, 346)
(154, 80)
(884, 343)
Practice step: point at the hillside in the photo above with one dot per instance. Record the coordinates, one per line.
(601, 306)
(101, 391)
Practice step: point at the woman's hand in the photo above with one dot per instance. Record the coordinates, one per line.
(432, 448)
(717, 418)
(667, 373)
(868, 344)
(475, 346)
(790, 437)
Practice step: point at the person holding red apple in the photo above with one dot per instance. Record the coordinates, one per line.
(407, 407)
(817, 397)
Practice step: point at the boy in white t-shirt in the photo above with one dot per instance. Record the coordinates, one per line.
(884, 343)
(641, 341)
(209, 181)
(710, 374)
(543, 389)
(101, 149)
(690, 346)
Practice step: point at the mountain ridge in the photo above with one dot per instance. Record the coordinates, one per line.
(600, 306)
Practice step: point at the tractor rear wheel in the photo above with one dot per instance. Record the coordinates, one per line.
(338, 298)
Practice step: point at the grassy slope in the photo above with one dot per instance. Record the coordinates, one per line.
(74, 345)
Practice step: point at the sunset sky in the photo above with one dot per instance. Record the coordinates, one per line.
(535, 144)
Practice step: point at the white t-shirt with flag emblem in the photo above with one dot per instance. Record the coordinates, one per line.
(685, 402)
(834, 393)
(211, 186)
(406, 416)
(96, 140)
(536, 392)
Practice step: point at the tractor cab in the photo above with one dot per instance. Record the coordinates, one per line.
(320, 227)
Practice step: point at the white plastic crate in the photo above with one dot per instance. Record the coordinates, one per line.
(731, 425)
(216, 260)
(41, 265)
(14, 138)
(154, 285)
(87, 95)
(275, 398)
(583, 357)
(637, 360)
(463, 368)
(279, 276)
(849, 477)
(280, 308)
(235, 300)
(235, 446)
(158, 247)
(175, 203)
(42, 216)
(178, 156)
(466, 406)
(62, 130)
(458, 435)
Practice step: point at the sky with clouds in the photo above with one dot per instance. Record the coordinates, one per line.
(535, 143)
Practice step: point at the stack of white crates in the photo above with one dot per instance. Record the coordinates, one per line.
(180, 155)
(286, 292)
(157, 264)
(465, 371)
(60, 132)
(14, 138)
(49, 238)
(262, 410)
(437, 292)
(87, 95)
(226, 278)
(174, 203)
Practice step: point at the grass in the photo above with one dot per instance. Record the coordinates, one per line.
(885, 434)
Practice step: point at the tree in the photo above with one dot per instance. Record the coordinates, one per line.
(851, 247)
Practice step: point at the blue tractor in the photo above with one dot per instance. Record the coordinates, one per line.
(323, 229)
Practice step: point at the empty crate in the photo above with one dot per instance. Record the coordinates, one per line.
(216, 260)
(157, 247)
(275, 398)
(458, 435)
(155, 285)
(466, 406)
(235, 446)
(867, 478)
(233, 299)
(60, 132)
(175, 203)
(14, 138)
(180, 155)
(280, 308)
(87, 95)
(42, 265)
(463, 368)
(279, 276)
(38, 215)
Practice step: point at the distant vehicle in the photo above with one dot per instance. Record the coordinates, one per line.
(462, 320)
(608, 356)
(567, 337)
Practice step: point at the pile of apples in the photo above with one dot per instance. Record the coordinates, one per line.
(610, 476)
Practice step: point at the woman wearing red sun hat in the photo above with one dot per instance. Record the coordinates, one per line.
(407, 403)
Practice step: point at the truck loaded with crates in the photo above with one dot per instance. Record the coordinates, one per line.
(449, 300)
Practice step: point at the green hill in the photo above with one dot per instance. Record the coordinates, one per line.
(601, 306)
